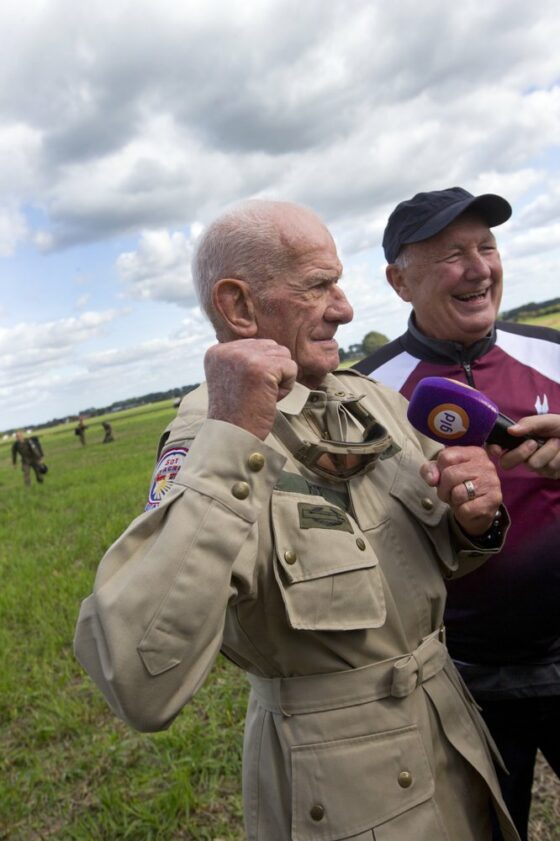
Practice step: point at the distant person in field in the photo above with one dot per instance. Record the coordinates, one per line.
(31, 455)
(80, 431)
(503, 621)
(108, 430)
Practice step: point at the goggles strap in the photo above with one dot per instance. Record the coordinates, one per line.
(336, 422)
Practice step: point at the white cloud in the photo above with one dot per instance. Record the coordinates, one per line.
(542, 210)
(27, 349)
(530, 277)
(19, 151)
(13, 229)
(183, 346)
(40, 364)
(160, 268)
(121, 136)
(535, 241)
(82, 301)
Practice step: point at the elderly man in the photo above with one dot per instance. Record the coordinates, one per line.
(503, 621)
(288, 525)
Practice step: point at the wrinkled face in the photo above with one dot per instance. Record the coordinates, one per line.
(454, 281)
(304, 308)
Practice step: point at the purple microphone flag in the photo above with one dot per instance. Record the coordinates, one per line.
(451, 412)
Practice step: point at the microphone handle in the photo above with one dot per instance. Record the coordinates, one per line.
(499, 434)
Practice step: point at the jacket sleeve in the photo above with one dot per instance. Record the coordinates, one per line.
(151, 629)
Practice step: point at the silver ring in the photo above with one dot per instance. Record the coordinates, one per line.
(471, 493)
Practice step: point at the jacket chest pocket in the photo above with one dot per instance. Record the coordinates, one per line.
(326, 570)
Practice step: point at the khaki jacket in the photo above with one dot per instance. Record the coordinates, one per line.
(331, 597)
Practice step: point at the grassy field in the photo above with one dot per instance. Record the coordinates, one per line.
(68, 768)
(550, 320)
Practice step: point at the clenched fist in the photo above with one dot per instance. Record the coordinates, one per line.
(246, 378)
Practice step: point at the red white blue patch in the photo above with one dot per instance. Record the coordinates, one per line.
(167, 468)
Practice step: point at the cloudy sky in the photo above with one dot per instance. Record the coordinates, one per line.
(125, 127)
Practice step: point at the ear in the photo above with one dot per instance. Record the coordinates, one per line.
(233, 301)
(397, 279)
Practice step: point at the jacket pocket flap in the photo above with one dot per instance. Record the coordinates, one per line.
(343, 788)
(425, 506)
(410, 489)
(326, 569)
(314, 539)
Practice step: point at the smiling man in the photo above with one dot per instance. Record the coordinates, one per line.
(502, 621)
(298, 530)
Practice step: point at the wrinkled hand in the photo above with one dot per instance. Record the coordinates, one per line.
(449, 472)
(246, 378)
(544, 460)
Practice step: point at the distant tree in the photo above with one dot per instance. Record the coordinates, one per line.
(372, 341)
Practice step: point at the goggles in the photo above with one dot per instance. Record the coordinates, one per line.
(351, 458)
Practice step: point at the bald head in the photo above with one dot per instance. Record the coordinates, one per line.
(256, 241)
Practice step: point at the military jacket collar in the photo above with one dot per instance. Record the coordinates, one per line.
(300, 396)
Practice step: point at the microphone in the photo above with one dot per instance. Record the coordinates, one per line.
(452, 412)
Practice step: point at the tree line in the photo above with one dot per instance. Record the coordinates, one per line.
(531, 310)
(369, 344)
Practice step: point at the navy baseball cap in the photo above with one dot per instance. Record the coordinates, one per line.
(426, 214)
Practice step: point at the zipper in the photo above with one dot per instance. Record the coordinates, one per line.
(467, 368)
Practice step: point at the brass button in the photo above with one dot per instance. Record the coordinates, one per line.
(240, 490)
(360, 543)
(290, 556)
(255, 462)
(427, 503)
(405, 779)
(317, 812)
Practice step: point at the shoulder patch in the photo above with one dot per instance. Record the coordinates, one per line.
(166, 469)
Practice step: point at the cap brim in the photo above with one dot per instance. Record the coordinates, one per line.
(493, 209)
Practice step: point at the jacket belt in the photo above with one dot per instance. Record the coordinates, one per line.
(396, 677)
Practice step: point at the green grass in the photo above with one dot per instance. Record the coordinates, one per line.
(68, 768)
(552, 319)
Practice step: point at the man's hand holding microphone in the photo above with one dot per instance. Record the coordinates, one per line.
(452, 412)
